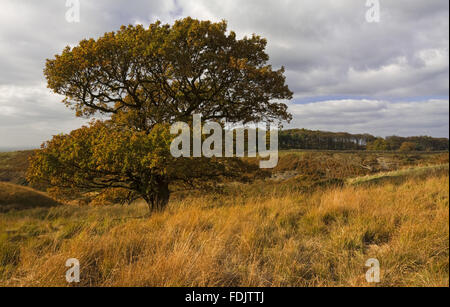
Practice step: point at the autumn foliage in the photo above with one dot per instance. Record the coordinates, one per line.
(105, 162)
(143, 80)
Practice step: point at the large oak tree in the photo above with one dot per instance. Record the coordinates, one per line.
(145, 79)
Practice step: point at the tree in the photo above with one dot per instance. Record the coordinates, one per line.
(106, 161)
(166, 74)
(408, 146)
(143, 80)
(378, 144)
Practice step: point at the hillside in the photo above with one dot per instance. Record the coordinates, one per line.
(281, 238)
(13, 166)
(314, 222)
(18, 197)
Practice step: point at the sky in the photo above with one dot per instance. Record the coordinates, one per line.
(349, 70)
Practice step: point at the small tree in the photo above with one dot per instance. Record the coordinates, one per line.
(378, 144)
(146, 79)
(408, 146)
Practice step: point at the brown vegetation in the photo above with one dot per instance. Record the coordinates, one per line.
(19, 197)
(322, 239)
(316, 227)
(13, 166)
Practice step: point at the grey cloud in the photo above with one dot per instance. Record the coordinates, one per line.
(29, 116)
(333, 41)
(378, 117)
(32, 31)
(327, 47)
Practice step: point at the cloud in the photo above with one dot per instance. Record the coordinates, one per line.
(328, 49)
(31, 115)
(381, 118)
(32, 31)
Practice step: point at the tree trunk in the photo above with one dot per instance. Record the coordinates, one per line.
(159, 197)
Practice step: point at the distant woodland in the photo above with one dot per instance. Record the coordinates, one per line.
(309, 139)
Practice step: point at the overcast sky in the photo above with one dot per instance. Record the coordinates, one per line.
(347, 74)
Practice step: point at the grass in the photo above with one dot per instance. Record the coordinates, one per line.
(259, 238)
(314, 223)
(399, 174)
(13, 166)
(18, 197)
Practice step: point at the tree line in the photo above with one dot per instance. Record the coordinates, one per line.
(325, 140)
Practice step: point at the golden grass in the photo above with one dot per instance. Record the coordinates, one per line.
(319, 239)
(13, 166)
(405, 172)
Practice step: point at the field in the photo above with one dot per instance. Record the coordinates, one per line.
(314, 222)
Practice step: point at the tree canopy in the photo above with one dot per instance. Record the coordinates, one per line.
(167, 73)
